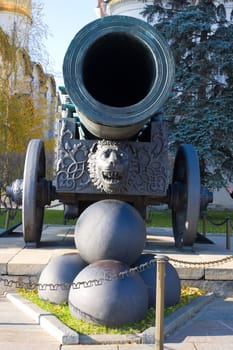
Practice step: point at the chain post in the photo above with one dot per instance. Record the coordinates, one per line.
(204, 218)
(228, 233)
(159, 312)
(7, 219)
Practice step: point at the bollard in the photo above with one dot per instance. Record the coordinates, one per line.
(204, 217)
(228, 233)
(159, 314)
(7, 219)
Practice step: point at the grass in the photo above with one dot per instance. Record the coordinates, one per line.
(62, 312)
(51, 216)
(155, 218)
(163, 218)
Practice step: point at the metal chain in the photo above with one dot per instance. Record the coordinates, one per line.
(77, 285)
(182, 263)
(108, 277)
(221, 223)
(216, 223)
(10, 283)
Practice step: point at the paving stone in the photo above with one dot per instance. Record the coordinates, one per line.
(109, 339)
(136, 347)
(19, 331)
(225, 272)
(182, 346)
(214, 346)
(47, 321)
(29, 262)
(190, 273)
(90, 347)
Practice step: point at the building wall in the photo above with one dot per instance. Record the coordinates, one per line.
(132, 8)
(222, 200)
(15, 20)
(228, 4)
(28, 78)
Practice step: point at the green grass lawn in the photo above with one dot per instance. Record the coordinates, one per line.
(51, 216)
(62, 312)
(164, 219)
(155, 218)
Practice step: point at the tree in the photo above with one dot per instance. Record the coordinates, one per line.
(39, 31)
(201, 110)
(23, 113)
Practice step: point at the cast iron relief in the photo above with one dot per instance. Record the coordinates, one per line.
(108, 165)
(102, 166)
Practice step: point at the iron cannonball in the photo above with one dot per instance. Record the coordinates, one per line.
(60, 269)
(110, 229)
(114, 301)
(172, 281)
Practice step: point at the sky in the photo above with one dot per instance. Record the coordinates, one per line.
(64, 19)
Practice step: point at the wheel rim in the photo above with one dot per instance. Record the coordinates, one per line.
(186, 185)
(33, 211)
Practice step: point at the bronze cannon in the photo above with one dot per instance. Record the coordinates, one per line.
(118, 72)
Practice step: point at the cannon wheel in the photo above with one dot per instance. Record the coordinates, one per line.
(186, 181)
(33, 212)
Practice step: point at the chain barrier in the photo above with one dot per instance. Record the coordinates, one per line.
(109, 277)
(228, 227)
(77, 285)
(211, 221)
(203, 217)
(183, 263)
(7, 208)
(6, 205)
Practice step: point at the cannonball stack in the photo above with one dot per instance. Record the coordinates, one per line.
(110, 237)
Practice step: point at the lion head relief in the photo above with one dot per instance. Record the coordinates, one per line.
(108, 164)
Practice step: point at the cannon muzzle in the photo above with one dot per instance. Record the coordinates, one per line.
(118, 72)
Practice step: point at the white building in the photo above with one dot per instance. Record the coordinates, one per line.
(23, 77)
(134, 8)
(15, 21)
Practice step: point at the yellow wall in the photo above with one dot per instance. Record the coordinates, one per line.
(22, 7)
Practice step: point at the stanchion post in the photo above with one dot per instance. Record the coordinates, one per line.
(7, 218)
(204, 217)
(159, 312)
(228, 233)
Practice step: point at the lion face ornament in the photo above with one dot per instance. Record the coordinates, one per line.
(108, 164)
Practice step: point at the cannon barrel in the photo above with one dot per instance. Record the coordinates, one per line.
(118, 71)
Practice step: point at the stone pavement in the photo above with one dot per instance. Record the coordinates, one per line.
(211, 327)
(19, 331)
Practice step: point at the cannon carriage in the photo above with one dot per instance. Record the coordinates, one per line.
(118, 72)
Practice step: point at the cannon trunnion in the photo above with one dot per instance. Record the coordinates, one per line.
(118, 71)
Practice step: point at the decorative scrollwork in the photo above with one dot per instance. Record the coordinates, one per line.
(72, 171)
(95, 166)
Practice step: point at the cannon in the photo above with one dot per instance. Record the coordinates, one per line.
(118, 72)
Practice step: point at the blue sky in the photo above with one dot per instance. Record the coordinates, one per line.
(64, 19)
